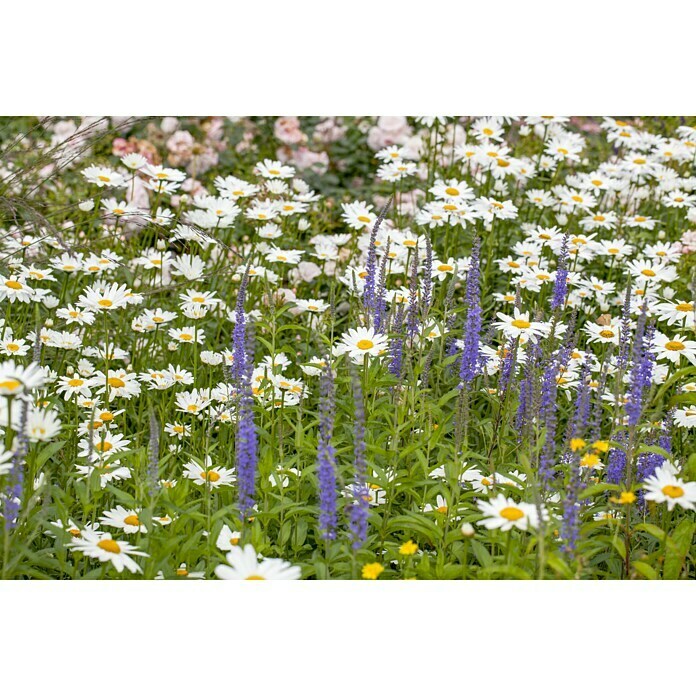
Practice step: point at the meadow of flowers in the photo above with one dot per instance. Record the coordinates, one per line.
(347, 348)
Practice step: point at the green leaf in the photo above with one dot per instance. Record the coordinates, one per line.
(678, 549)
(647, 571)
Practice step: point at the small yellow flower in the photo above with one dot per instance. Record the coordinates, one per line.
(577, 443)
(600, 446)
(590, 460)
(371, 571)
(626, 498)
(408, 548)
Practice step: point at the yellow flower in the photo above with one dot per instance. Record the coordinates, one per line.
(601, 446)
(408, 548)
(626, 498)
(371, 571)
(577, 443)
(590, 460)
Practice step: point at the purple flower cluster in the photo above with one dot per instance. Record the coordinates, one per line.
(469, 365)
(560, 286)
(359, 508)
(326, 456)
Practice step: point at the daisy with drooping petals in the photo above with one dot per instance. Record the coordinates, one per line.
(104, 549)
(216, 476)
(127, 520)
(227, 539)
(105, 298)
(243, 564)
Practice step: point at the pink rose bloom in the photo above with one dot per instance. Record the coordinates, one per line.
(328, 131)
(395, 124)
(203, 159)
(121, 147)
(390, 130)
(688, 242)
(287, 130)
(304, 158)
(305, 271)
(180, 141)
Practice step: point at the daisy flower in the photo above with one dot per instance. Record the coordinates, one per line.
(664, 486)
(106, 298)
(103, 176)
(127, 520)
(104, 549)
(273, 169)
(520, 325)
(674, 348)
(243, 564)
(504, 513)
(360, 342)
(16, 379)
(227, 539)
(216, 476)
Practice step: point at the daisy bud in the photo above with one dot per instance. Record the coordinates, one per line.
(303, 224)
(86, 206)
(48, 323)
(562, 219)
(171, 346)
(661, 234)
(467, 530)
(161, 245)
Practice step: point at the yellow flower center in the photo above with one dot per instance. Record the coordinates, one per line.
(182, 572)
(254, 577)
(607, 333)
(445, 267)
(13, 347)
(451, 191)
(673, 491)
(520, 323)
(132, 520)
(684, 307)
(365, 344)
(76, 382)
(10, 384)
(648, 272)
(109, 545)
(674, 345)
(103, 446)
(512, 514)
(211, 476)
(13, 285)
(116, 383)
(103, 178)
(275, 172)
(186, 337)
(363, 218)
(105, 303)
